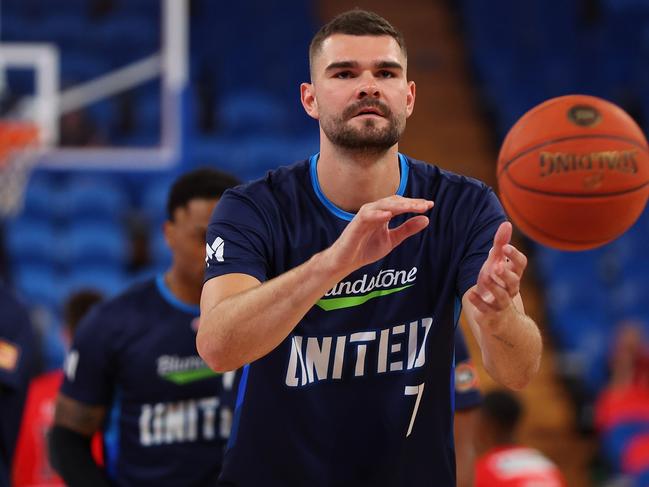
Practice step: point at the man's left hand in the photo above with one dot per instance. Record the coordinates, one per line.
(499, 279)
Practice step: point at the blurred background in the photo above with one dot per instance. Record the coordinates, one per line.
(126, 94)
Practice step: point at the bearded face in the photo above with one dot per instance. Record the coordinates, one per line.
(368, 125)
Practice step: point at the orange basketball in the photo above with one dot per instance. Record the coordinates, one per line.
(573, 172)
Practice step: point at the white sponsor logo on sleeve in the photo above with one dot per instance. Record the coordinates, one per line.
(214, 251)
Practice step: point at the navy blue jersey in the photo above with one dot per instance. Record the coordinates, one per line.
(467, 393)
(18, 364)
(136, 355)
(360, 393)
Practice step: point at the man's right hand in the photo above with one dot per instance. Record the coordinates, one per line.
(368, 237)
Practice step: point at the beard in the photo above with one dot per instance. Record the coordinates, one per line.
(370, 137)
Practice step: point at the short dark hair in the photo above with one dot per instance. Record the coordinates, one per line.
(355, 22)
(503, 409)
(78, 305)
(202, 183)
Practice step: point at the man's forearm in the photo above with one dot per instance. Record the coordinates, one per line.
(250, 324)
(511, 350)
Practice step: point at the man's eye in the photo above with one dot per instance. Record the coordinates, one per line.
(386, 74)
(343, 75)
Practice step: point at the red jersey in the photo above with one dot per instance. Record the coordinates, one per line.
(514, 466)
(31, 466)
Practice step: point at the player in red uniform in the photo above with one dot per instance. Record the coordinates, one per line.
(501, 462)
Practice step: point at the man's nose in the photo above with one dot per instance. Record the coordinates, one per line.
(368, 87)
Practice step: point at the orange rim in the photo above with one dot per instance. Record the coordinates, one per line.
(15, 136)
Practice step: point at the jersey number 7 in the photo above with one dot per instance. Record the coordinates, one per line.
(411, 391)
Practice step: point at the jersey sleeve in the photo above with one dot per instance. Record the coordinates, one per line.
(90, 366)
(238, 239)
(488, 215)
(467, 392)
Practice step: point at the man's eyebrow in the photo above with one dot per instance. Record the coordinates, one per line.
(388, 65)
(341, 64)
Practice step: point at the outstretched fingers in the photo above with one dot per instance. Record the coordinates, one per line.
(408, 229)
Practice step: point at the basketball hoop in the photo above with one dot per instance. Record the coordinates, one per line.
(19, 150)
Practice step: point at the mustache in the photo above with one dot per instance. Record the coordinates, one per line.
(352, 110)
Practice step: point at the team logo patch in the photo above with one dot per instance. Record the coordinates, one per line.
(214, 252)
(9, 354)
(466, 377)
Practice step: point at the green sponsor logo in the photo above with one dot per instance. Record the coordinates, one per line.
(182, 377)
(351, 301)
(360, 291)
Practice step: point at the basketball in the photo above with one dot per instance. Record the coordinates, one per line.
(573, 172)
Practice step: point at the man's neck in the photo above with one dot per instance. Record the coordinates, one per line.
(180, 289)
(351, 179)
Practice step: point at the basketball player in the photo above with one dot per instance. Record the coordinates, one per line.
(503, 463)
(134, 372)
(342, 303)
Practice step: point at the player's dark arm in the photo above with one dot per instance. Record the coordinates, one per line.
(509, 340)
(69, 442)
(243, 320)
(464, 426)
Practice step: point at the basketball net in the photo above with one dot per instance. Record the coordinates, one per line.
(19, 150)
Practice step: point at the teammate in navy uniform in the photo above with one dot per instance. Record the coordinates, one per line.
(339, 284)
(134, 371)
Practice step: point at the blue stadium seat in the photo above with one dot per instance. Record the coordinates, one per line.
(80, 66)
(41, 198)
(247, 112)
(40, 287)
(629, 297)
(126, 38)
(91, 199)
(95, 243)
(32, 241)
(62, 28)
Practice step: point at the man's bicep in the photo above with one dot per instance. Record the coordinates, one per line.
(222, 287)
(77, 416)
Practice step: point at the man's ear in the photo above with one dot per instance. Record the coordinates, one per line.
(410, 98)
(308, 99)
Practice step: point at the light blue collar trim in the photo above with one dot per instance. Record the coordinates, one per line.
(173, 300)
(340, 213)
